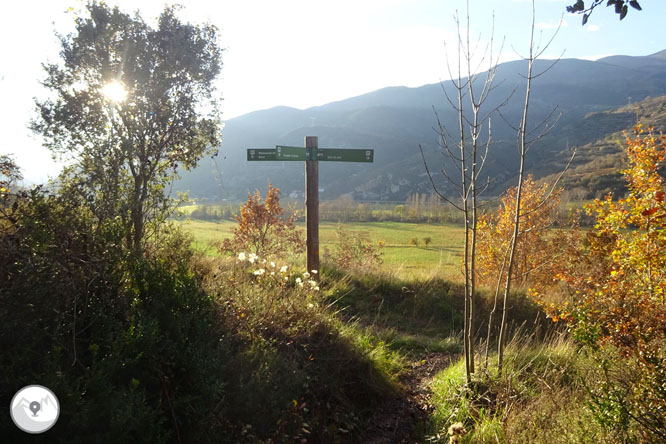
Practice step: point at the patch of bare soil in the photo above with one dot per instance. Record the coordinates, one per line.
(396, 421)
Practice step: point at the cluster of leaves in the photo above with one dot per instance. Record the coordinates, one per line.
(9, 174)
(621, 7)
(263, 228)
(352, 251)
(617, 294)
(535, 255)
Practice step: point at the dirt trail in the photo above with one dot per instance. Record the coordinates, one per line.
(395, 421)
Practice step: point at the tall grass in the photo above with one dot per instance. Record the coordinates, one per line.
(540, 397)
(299, 372)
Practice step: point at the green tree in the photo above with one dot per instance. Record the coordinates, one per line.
(621, 7)
(130, 104)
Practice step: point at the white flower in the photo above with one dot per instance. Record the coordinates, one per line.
(306, 275)
(310, 305)
(272, 264)
(253, 257)
(241, 257)
(272, 273)
(312, 283)
(316, 288)
(299, 280)
(259, 272)
(314, 272)
(283, 269)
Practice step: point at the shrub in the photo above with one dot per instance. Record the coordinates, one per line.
(130, 345)
(263, 229)
(354, 252)
(615, 289)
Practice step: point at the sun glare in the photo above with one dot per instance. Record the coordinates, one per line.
(114, 91)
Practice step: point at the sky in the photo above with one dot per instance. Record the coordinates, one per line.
(304, 53)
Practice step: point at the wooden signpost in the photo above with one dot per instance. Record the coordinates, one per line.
(311, 154)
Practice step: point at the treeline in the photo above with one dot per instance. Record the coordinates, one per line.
(215, 212)
(418, 208)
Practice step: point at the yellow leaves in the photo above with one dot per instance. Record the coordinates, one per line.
(620, 289)
(535, 247)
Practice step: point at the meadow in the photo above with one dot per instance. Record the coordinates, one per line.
(440, 258)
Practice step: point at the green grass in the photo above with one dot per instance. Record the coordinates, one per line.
(539, 397)
(207, 233)
(440, 259)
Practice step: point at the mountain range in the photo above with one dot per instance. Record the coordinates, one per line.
(592, 100)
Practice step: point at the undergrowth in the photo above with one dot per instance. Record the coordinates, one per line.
(297, 365)
(540, 397)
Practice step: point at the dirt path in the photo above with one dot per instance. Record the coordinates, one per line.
(395, 421)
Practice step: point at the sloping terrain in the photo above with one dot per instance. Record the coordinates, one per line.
(395, 121)
(597, 167)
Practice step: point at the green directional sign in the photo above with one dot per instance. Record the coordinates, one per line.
(289, 153)
(295, 153)
(345, 155)
(261, 154)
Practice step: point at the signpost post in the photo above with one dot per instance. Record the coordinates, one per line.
(312, 204)
(311, 154)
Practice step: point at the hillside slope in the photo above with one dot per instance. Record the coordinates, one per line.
(394, 121)
(597, 167)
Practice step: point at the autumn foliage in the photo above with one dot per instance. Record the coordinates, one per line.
(615, 289)
(535, 250)
(264, 229)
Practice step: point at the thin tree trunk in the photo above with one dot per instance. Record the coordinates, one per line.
(470, 162)
(494, 309)
(472, 259)
(522, 146)
(469, 358)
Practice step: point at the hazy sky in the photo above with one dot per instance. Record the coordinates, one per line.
(303, 53)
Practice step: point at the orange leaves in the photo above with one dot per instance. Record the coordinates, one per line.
(621, 286)
(263, 229)
(536, 245)
(649, 212)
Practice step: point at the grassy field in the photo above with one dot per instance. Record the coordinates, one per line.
(441, 258)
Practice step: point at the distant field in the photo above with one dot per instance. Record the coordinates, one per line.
(441, 257)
